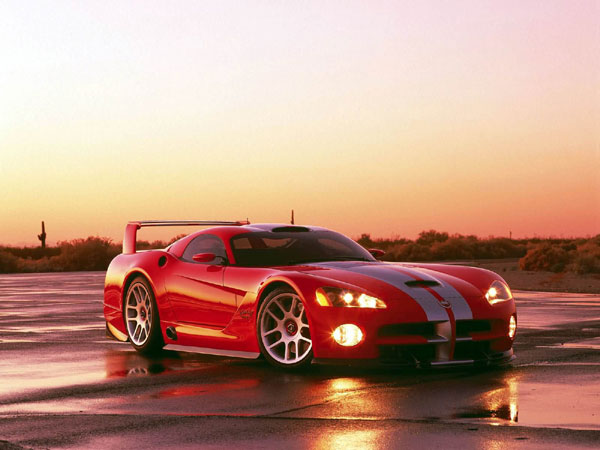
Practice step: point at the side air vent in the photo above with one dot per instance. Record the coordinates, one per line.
(422, 283)
(171, 333)
(291, 229)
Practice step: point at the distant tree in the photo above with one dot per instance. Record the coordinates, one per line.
(431, 236)
(365, 240)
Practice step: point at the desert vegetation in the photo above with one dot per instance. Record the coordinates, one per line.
(92, 253)
(579, 255)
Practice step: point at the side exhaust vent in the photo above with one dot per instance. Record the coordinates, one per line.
(171, 333)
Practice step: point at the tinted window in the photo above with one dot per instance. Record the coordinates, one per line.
(206, 243)
(268, 248)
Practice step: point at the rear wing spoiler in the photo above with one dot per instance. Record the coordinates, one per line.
(129, 240)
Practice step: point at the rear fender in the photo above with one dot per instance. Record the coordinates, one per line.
(122, 270)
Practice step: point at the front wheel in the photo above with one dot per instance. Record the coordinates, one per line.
(283, 331)
(141, 317)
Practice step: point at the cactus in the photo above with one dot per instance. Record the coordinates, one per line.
(42, 237)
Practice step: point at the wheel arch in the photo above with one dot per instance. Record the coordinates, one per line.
(129, 279)
(273, 284)
(127, 282)
(280, 281)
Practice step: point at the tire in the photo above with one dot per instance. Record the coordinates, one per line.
(282, 330)
(141, 317)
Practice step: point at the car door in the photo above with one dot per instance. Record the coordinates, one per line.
(196, 290)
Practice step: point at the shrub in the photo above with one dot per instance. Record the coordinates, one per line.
(145, 245)
(9, 263)
(408, 252)
(546, 256)
(587, 259)
(93, 253)
(453, 248)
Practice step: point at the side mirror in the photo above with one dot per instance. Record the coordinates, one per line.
(376, 252)
(203, 257)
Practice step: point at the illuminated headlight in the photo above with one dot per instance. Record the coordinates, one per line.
(347, 335)
(512, 327)
(331, 296)
(498, 292)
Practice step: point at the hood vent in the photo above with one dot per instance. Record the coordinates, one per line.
(422, 283)
(290, 229)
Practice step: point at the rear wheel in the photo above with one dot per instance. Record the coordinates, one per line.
(283, 331)
(141, 317)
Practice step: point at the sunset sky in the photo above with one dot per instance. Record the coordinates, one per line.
(389, 118)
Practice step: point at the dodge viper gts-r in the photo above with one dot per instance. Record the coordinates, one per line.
(302, 294)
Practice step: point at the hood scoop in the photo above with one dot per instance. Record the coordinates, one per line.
(422, 283)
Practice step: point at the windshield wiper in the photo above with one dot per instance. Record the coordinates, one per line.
(332, 258)
(348, 258)
(293, 262)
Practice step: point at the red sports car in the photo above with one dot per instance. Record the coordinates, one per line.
(302, 294)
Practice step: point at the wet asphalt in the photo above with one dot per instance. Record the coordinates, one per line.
(63, 384)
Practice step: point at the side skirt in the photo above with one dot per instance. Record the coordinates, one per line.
(212, 351)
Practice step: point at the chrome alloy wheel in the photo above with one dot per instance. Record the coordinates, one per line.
(284, 329)
(138, 311)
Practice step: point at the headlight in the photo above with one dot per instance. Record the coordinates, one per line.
(331, 296)
(498, 292)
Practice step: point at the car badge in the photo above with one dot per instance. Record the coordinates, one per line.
(246, 313)
(446, 304)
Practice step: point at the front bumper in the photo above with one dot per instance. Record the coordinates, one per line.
(480, 341)
(491, 360)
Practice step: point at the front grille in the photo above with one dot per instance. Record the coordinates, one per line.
(472, 350)
(424, 329)
(407, 354)
(436, 350)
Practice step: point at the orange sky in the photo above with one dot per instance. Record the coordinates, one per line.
(388, 118)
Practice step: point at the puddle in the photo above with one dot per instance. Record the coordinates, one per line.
(570, 402)
(50, 376)
(50, 329)
(589, 344)
(509, 412)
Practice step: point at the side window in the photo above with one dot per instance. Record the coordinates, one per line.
(334, 247)
(205, 243)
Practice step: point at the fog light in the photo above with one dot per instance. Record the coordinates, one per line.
(347, 335)
(512, 327)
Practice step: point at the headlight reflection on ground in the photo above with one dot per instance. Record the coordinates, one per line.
(497, 406)
(349, 439)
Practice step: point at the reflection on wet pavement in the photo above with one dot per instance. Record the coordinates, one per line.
(363, 439)
(55, 359)
(544, 310)
(496, 405)
(593, 343)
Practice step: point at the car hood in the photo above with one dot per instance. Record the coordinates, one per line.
(433, 290)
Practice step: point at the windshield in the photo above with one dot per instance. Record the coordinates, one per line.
(268, 248)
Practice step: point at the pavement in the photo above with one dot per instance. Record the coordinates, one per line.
(63, 384)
